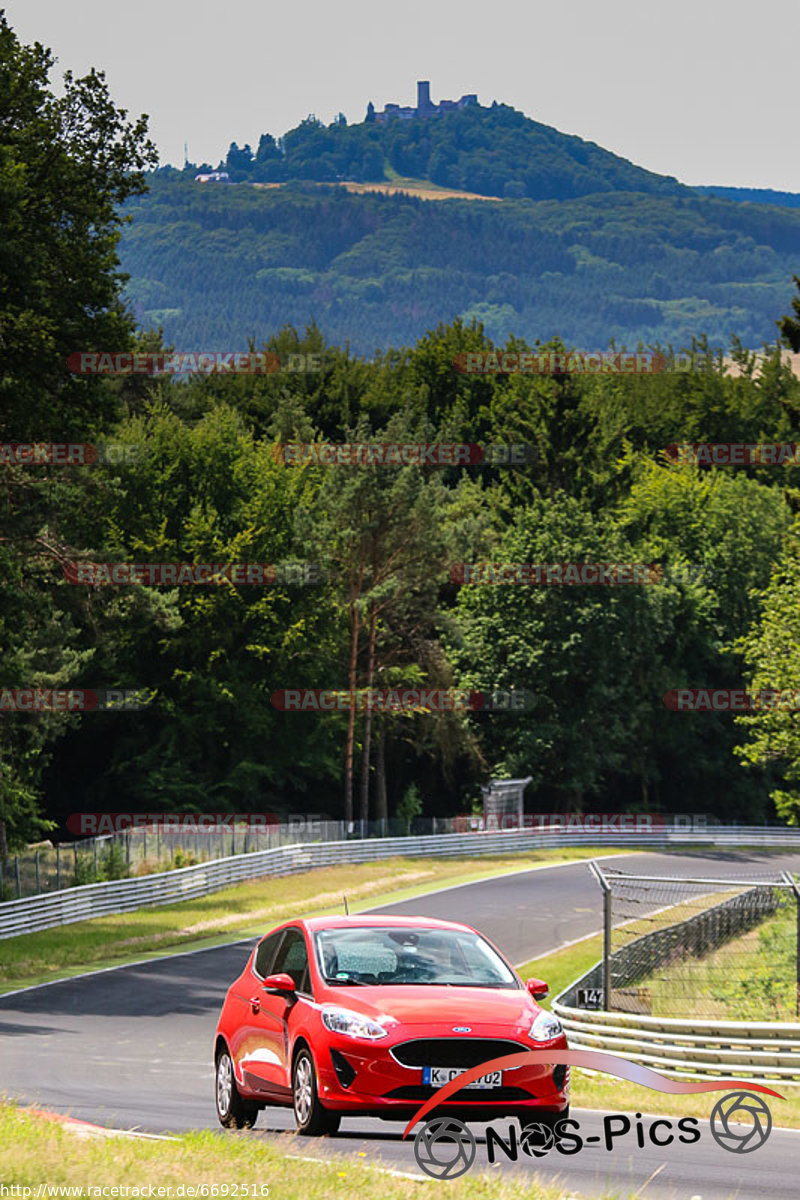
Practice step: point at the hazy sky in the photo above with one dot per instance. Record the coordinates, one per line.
(701, 89)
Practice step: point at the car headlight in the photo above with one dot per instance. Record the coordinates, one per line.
(545, 1027)
(352, 1024)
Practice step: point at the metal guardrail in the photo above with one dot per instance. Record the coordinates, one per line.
(125, 895)
(766, 1051)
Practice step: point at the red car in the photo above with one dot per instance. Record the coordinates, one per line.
(368, 1016)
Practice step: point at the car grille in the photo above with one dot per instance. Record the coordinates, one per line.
(453, 1052)
(476, 1095)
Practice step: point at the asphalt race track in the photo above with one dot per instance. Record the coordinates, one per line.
(131, 1047)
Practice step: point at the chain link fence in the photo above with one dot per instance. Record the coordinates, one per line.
(713, 948)
(49, 868)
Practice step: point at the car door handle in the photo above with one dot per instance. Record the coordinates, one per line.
(255, 1003)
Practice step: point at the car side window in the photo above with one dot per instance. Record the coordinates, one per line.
(292, 958)
(262, 963)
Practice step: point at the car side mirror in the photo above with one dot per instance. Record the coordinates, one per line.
(279, 984)
(537, 988)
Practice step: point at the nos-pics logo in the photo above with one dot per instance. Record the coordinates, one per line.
(445, 1148)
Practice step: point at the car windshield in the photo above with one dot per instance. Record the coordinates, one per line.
(386, 955)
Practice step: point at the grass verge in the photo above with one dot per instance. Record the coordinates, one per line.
(755, 972)
(37, 1152)
(604, 1092)
(248, 909)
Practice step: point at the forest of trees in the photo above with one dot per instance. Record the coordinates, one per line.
(216, 265)
(203, 484)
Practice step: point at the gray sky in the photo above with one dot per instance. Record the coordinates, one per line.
(701, 89)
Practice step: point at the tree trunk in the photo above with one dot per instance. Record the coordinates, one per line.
(351, 720)
(381, 803)
(365, 768)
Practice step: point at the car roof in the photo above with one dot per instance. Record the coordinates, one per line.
(368, 920)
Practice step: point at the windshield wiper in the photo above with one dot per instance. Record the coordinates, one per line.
(348, 982)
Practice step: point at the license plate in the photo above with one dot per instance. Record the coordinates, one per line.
(437, 1076)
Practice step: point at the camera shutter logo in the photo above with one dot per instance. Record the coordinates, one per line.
(724, 1115)
(537, 1139)
(444, 1148)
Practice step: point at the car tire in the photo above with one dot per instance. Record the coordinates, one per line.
(311, 1117)
(232, 1110)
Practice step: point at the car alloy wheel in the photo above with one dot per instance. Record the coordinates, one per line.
(233, 1112)
(311, 1117)
(303, 1089)
(224, 1085)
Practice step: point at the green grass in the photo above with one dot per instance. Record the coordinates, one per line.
(755, 972)
(243, 911)
(560, 968)
(36, 1151)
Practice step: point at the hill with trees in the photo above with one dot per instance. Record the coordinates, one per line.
(495, 151)
(216, 265)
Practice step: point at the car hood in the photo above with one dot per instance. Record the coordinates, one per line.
(431, 1005)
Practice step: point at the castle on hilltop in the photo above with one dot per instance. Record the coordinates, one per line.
(424, 107)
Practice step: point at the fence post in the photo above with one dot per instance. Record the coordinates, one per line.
(16, 869)
(95, 859)
(38, 880)
(58, 866)
(606, 886)
(790, 879)
(2, 887)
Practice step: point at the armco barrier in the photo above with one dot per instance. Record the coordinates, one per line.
(766, 1051)
(124, 895)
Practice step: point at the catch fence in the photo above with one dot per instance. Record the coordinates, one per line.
(712, 947)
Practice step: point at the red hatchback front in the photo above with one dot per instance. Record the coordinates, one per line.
(369, 1016)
